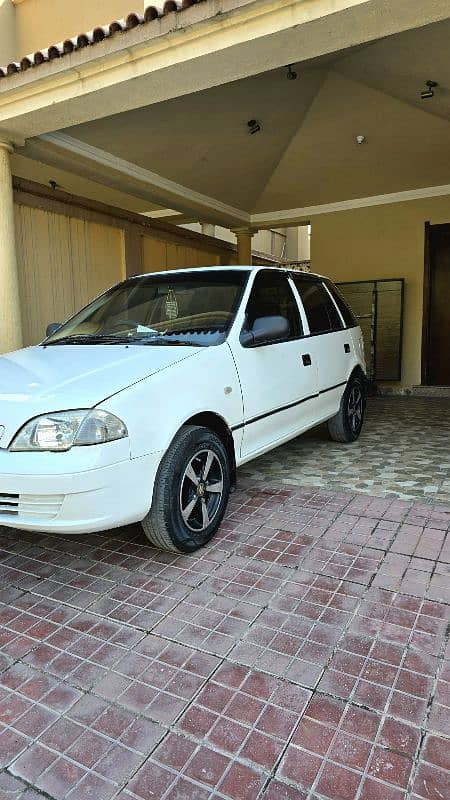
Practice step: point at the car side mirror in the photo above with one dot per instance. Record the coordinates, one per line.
(265, 330)
(52, 328)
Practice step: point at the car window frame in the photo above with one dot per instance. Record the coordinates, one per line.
(315, 279)
(136, 278)
(245, 300)
(331, 288)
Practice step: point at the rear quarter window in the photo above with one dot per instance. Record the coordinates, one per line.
(321, 313)
(346, 312)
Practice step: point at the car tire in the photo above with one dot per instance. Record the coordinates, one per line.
(346, 425)
(191, 492)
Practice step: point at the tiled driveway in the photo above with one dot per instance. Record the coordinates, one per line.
(301, 655)
(404, 451)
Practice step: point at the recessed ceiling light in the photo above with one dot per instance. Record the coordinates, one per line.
(360, 139)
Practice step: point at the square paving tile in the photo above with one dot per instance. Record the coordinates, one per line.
(157, 678)
(88, 752)
(181, 769)
(185, 570)
(383, 661)
(422, 542)
(246, 714)
(296, 635)
(340, 749)
(139, 601)
(404, 619)
(439, 718)
(246, 579)
(208, 622)
(80, 651)
(12, 788)
(341, 560)
(407, 574)
(299, 656)
(277, 545)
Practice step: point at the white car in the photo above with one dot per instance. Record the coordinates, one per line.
(142, 405)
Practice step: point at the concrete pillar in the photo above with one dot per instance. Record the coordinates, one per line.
(10, 316)
(208, 229)
(303, 243)
(297, 240)
(244, 245)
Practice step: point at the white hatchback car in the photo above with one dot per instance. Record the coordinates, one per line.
(142, 405)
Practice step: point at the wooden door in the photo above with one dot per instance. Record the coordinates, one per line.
(438, 349)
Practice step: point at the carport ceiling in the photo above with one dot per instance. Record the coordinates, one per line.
(306, 152)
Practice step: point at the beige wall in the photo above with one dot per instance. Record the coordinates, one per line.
(8, 44)
(159, 254)
(68, 253)
(382, 242)
(40, 23)
(63, 263)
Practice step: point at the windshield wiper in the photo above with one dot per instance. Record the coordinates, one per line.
(81, 338)
(92, 338)
(160, 340)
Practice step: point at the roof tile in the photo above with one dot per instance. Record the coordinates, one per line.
(98, 34)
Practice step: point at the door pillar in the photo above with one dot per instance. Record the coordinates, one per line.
(10, 314)
(244, 245)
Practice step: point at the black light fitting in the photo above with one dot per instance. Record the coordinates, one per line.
(291, 74)
(253, 126)
(428, 93)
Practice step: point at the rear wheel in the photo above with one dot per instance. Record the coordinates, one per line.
(191, 492)
(346, 425)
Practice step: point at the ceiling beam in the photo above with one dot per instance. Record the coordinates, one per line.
(295, 216)
(60, 150)
(181, 204)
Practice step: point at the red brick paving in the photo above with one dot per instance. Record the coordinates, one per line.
(301, 656)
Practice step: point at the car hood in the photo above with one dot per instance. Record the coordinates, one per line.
(39, 379)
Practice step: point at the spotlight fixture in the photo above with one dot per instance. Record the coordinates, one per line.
(253, 126)
(428, 93)
(360, 139)
(291, 74)
(53, 184)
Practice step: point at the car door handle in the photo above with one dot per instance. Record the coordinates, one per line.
(347, 347)
(306, 358)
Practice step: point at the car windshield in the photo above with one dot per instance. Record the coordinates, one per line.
(191, 308)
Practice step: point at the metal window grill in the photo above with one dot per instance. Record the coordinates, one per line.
(378, 307)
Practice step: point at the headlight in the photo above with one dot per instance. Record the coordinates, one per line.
(65, 429)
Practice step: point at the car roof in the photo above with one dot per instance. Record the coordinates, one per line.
(231, 267)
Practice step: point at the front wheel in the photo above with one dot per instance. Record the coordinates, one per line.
(346, 425)
(191, 492)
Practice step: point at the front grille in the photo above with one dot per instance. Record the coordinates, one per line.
(33, 506)
(9, 504)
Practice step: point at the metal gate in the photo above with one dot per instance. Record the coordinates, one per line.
(378, 307)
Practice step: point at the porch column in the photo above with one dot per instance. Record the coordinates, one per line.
(10, 316)
(208, 229)
(244, 245)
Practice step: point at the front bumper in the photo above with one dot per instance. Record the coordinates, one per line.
(78, 493)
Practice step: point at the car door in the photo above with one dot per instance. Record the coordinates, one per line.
(330, 343)
(278, 385)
